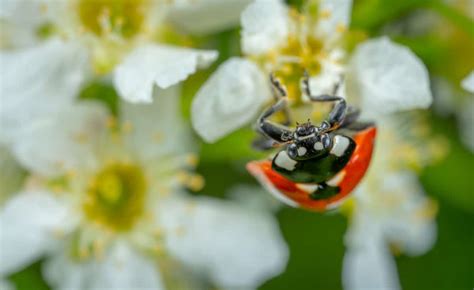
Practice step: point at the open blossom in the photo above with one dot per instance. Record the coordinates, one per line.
(390, 213)
(51, 48)
(277, 39)
(105, 205)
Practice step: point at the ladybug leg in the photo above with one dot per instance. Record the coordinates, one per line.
(279, 92)
(277, 132)
(324, 191)
(338, 113)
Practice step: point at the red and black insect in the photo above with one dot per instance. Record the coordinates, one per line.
(317, 166)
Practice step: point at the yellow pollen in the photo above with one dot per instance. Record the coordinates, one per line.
(341, 28)
(192, 160)
(121, 17)
(116, 196)
(325, 14)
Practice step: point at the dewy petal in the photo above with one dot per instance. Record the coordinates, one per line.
(369, 266)
(37, 82)
(124, 268)
(64, 141)
(230, 98)
(338, 19)
(161, 65)
(234, 246)
(199, 16)
(265, 25)
(468, 82)
(28, 222)
(157, 129)
(387, 77)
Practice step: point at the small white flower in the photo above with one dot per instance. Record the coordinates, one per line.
(390, 211)
(277, 39)
(105, 205)
(51, 48)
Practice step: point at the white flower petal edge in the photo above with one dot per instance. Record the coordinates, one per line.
(230, 98)
(164, 66)
(265, 25)
(234, 246)
(156, 127)
(124, 268)
(339, 16)
(369, 266)
(387, 77)
(63, 141)
(199, 16)
(121, 268)
(6, 285)
(28, 222)
(468, 83)
(28, 92)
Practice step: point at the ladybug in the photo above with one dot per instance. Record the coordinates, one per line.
(317, 167)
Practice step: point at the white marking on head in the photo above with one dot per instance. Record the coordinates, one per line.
(309, 188)
(284, 161)
(318, 146)
(301, 151)
(340, 145)
(305, 137)
(336, 179)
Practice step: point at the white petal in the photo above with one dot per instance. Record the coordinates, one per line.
(339, 16)
(161, 65)
(369, 266)
(233, 246)
(199, 16)
(28, 92)
(468, 83)
(63, 141)
(6, 285)
(27, 223)
(62, 273)
(265, 25)
(387, 77)
(124, 268)
(230, 98)
(157, 129)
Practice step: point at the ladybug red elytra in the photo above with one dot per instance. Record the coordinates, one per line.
(317, 166)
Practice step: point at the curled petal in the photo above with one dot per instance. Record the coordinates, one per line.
(161, 65)
(386, 77)
(231, 97)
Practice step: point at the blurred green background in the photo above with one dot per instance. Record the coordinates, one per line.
(316, 240)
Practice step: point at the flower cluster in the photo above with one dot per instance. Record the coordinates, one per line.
(102, 189)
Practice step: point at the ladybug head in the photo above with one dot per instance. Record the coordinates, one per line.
(308, 142)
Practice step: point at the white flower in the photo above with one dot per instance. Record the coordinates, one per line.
(51, 48)
(390, 211)
(105, 206)
(206, 16)
(277, 39)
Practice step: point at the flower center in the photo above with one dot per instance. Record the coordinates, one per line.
(298, 55)
(116, 196)
(120, 17)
